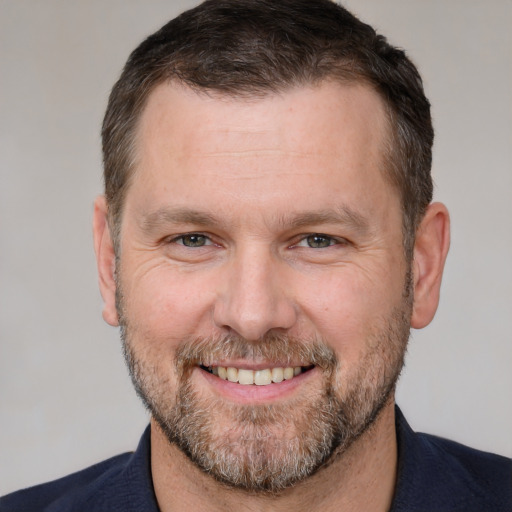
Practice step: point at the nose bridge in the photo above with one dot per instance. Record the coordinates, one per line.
(253, 299)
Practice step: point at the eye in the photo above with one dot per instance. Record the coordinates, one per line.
(193, 240)
(317, 241)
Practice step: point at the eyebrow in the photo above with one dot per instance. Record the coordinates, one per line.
(343, 215)
(165, 216)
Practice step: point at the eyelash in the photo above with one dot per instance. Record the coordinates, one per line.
(308, 239)
(179, 240)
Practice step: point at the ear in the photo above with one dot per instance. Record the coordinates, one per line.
(105, 260)
(430, 251)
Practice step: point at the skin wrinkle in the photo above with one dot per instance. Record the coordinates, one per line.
(194, 351)
(347, 298)
(344, 216)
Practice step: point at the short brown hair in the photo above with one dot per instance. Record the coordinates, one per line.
(246, 48)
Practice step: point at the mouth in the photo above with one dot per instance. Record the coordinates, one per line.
(261, 377)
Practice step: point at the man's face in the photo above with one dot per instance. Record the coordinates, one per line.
(260, 235)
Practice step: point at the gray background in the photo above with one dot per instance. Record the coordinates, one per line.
(65, 398)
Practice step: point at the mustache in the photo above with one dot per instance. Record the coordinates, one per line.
(273, 347)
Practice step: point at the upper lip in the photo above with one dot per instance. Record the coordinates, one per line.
(247, 365)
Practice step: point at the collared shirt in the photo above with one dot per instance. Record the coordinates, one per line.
(434, 475)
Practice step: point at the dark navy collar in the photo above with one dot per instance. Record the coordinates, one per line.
(438, 475)
(134, 485)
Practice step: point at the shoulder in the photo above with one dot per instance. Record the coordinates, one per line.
(66, 493)
(489, 472)
(120, 484)
(440, 475)
(474, 461)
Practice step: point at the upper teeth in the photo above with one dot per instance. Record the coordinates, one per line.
(258, 377)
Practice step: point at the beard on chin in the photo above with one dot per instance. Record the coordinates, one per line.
(268, 448)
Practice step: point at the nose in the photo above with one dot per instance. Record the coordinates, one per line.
(253, 298)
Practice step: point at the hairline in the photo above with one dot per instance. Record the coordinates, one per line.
(390, 158)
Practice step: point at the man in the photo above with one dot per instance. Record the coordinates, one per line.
(265, 242)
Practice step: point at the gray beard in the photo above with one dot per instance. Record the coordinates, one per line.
(269, 448)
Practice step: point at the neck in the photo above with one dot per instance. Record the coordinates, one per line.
(362, 478)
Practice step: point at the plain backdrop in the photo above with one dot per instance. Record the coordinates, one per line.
(65, 397)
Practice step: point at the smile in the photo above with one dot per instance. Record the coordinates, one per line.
(262, 377)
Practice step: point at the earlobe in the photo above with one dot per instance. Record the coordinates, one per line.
(105, 260)
(430, 251)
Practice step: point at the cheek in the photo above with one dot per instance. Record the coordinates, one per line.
(167, 305)
(349, 308)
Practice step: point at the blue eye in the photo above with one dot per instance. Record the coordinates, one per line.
(193, 240)
(317, 241)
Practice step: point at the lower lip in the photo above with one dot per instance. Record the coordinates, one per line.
(252, 393)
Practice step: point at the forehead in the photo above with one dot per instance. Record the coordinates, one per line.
(204, 120)
(307, 142)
